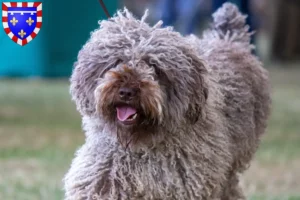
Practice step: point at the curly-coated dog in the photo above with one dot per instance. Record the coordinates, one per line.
(167, 117)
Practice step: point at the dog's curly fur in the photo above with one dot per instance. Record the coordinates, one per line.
(203, 105)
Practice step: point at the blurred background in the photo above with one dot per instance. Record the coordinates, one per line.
(40, 128)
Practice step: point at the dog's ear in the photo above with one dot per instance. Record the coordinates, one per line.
(83, 83)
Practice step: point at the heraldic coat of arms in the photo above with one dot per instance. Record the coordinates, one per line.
(22, 20)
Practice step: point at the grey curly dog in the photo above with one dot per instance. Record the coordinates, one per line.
(165, 116)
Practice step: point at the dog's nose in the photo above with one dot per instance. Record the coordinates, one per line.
(126, 93)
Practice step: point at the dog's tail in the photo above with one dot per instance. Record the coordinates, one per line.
(230, 24)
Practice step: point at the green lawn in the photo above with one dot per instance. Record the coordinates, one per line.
(40, 130)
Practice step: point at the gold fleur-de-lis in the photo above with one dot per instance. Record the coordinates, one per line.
(29, 21)
(14, 21)
(22, 33)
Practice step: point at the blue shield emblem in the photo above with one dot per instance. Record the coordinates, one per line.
(22, 20)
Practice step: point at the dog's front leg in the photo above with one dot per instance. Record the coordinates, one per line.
(86, 177)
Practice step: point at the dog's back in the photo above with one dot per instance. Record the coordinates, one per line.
(244, 83)
(241, 79)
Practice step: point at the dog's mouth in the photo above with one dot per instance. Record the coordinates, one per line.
(127, 114)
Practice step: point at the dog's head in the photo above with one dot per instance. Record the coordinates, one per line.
(138, 78)
(130, 96)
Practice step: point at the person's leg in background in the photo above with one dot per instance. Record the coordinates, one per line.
(187, 11)
(217, 4)
(246, 9)
(168, 11)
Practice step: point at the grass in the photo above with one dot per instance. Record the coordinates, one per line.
(40, 129)
(39, 132)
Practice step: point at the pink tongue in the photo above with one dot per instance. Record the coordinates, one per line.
(124, 112)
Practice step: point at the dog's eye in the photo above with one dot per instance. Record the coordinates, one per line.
(107, 68)
(153, 65)
(157, 70)
(102, 73)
